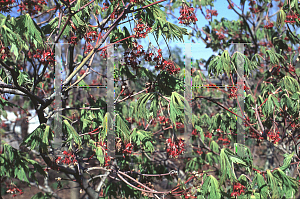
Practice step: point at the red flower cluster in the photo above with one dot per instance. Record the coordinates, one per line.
(163, 120)
(73, 40)
(255, 135)
(163, 64)
(128, 148)
(225, 141)
(277, 70)
(69, 158)
(194, 132)
(115, 14)
(136, 1)
(170, 66)
(210, 13)
(91, 36)
(253, 8)
(280, 5)
(230, 6)
(291, 68)
(273, 137)
(130, 120)
(106, 158)
(141, 30)
(43, 56)
(180, 127)
(199, 152)
(5, 5)
(187, 15)
(4, 52)
(269, 25)
(89, 48)
(252, 3)
(31, 6)
(238, 189)
(220, 35)
(14, 191)
(103, 53)
(131, 56)
(105, 6)
(291, 17)
(208, 135)
(174, 148)
(232, 91)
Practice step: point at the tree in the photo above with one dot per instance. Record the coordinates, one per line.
(149, 119)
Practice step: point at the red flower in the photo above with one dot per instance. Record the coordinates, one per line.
(238, 189)
(187, 15)
(230, 6)
(194, 132)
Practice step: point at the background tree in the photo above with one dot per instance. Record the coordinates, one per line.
(149, 119)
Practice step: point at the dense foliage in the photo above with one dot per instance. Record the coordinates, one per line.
(150, 104)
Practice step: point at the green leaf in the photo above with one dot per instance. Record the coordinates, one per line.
(273, 185)
(281, 16)
(72, 134)
(211, 187)
(39, 138)
(100, 155)
(262, 185)
(287, 185)
(178, 106)
(287, 161)
(226, 166)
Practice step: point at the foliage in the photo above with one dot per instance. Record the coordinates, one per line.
(149, 136)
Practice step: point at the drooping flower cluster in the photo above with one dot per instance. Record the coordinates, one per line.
(269, 25)
(43, 56)
(222, 137)
(117, 12)
(254, 8)
(274, 137)
(6, 5)
(174, 147)
(4, 51)
(291, 17)
(230, 6)
(208, 135)
(187, 15)
(106, 158)
(128, 148)
(238, 189)
(162, 64)
(232, 91)
(169, 66)
(91, 36)
(163, 120)
(131, 56)
(68, 158)
(136, 1)
(32, 6)
(14, 191)
(194, 132)
(73, 40)
(210, 13)
(141, 30)
(105, 6)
